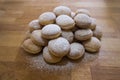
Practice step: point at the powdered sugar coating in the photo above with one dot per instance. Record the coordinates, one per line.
(92, 45)
(48, 57)
(60, 10)
(51, 31)
(34, 25)
(83, 11)
(59, 47)
(76, 51)
(30, 47)
(38, 39)
(47, 18)
(83, 34)
(68, 35)
(82, 20)
(65, 22)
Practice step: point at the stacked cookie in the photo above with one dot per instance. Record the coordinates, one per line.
(63, 33)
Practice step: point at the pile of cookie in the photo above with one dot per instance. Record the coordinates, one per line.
(63, 33)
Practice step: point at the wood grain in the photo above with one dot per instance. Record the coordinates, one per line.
(16, 64)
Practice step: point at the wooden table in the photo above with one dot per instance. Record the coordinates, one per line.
(15, 64)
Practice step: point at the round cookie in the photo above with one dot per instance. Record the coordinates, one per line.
(97, 32)
(51, 31)
(34, 25)
(68, 35)
(37, 38)
(59, 47)
(83, 34)
(92, 45)
(82, 20)
(93, 24)
(48, 57)
(76, 51)
(47, 18)
(65, 22)
(83, 11)
(60, 10)
(30, 47)
(73, 14)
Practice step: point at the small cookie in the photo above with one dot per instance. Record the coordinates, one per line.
(48, 57)
(68, 35)
(83, 11)
(76, 51)
(47, 18)
(60, 10)
(65, 22)
(51, 31)
(73, 14)
(97, 32)
(92, 45)
(59, 47)
(30, 47)
(34, 25)
(83, 34)
(82, 20)
(93, 24)
(37, 38)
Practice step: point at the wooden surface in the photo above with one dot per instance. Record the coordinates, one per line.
(15, 64)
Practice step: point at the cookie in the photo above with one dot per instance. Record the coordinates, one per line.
(60, 10)
(82, 20)
(48, 57)
(37, 38)
(68, 35)
(51, 31)
(93, 24)
(76, 51)
(92, 45)
(83, 34)
(59, 47)
(47, 18)
(97, 32)
(34, 25)
(65, 22)
(83, 11)
(30, 47)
